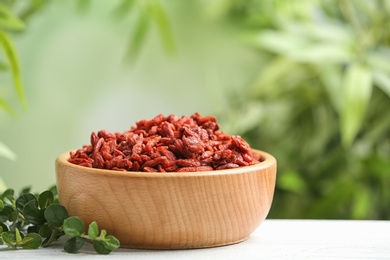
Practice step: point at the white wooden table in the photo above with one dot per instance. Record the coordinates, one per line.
(274, 239)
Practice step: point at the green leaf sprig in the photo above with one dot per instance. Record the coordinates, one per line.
(74, 227)
(32, 221)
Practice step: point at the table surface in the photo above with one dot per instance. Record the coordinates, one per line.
(273, 239)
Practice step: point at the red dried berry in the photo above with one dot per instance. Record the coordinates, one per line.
(166, 144)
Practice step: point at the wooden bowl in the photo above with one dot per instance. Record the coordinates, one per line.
(170, 210)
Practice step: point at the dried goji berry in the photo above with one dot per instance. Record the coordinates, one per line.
(166, 144)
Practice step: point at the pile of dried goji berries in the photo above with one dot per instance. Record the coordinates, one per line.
(166, 144)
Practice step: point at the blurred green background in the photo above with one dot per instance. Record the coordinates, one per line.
(307, 81)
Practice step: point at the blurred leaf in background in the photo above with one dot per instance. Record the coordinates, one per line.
(12, 22)
(13, 18)
(320, 102)
(146, 14)
(141, 16)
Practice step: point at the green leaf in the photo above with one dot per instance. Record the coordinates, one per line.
(164, 28)
(138, 36)
(292, 181)
(99, 247)
(272, 75)
(340, 193)
(309, 43)
(31, 241)
(8, 214)
(123, 9)
(6, 237)
(4, 150)
(362, 203)
(3, 227)
(321, 32)
(8, 20)
(74, 244)
(53, 190)
(320, 53)
(382, 80)
(83, 5)
(93, 230)
(219, 8)
(25, 190)
(1, 205)
(13, 216)
(7, 45)
(45, 231)
(3, 66)
(103, 234)
(33, 8)
(50, 235)
(8, 193)
(32, 214)
(18, 236)
(23, 200)
(279, 42)
(45, 199)
(73, 226)
(331, 76)
(379, 59)
(55, 214)
(111, 243)
(356, 93)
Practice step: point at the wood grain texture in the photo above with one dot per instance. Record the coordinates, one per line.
(170, 210)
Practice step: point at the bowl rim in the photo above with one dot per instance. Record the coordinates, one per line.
(267, 161)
